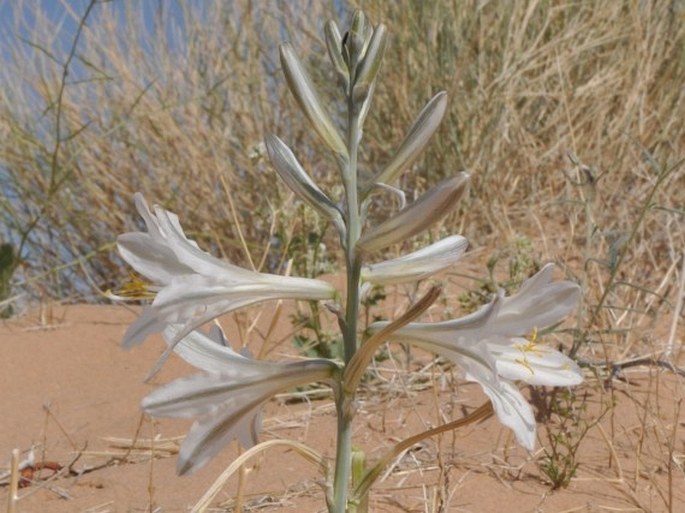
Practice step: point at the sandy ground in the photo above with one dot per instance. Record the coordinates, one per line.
(69, 392)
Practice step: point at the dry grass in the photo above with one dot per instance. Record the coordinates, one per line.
(182, 121)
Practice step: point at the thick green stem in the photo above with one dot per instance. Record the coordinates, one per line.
(354, 227)
(343, 456)
(345, 399)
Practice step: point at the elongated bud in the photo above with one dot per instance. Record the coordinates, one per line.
(356, 39)
(301, 86)
(290, 170)
(335, 53)
(417, 265)
(416, 140)
(428, 209)
(367, 71)
(371, 63)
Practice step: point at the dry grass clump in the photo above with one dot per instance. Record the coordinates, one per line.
(176, 107)
(174, 101)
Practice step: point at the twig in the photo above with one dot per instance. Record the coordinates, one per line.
(14, 483)
(617, 367)
(676, 313)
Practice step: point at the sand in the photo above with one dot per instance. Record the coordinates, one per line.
(72, 395)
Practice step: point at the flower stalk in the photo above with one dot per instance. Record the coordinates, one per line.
(345, 399)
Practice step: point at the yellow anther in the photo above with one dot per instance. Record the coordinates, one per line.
(531, 345)
(534, 335)
(136, 288)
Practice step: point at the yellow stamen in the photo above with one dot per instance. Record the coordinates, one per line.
(525, 363)
(531, 346)
(136, 288)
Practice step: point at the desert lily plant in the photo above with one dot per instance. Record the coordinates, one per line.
(189, 288)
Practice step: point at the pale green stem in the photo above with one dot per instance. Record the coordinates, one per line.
(345, 399)
(343, 457)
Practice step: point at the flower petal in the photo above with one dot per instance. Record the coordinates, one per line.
(512, 410)
(195, 287)
(335, 52)
(153, 260)
(510, 406)
(199, 394)
(417, 138)
(487, 346)
(303, 90)
(290, 170)
(469, 329)
(228, 397)
(209, 353)
(145, 325)
(537, 304)
(535, 364)
(195, 299)
(213, 432)
(188, 252)
(417, 265)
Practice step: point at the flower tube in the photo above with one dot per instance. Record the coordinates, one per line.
(193, 287)
(227, 397)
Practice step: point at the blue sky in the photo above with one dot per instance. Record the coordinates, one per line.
(18, 18)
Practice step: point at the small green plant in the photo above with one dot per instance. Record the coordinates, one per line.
(522, 262)
(313, 339)
(565, 430)
(8, 263)
(566, 422)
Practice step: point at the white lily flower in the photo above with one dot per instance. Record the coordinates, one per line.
(488, 346)
(227, 398)
(417, 265)
(192, 286)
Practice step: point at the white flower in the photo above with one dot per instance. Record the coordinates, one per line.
(192, 286)
(417, 265)
(488, 346)
(227, 397)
